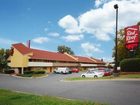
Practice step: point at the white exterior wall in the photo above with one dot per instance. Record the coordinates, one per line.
(40, 64)
(49, 64)
(87, 65)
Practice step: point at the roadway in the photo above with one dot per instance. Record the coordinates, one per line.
(113, 92)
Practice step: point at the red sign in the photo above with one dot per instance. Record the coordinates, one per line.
(132, 37)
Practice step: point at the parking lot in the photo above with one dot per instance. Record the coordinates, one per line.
(113, 92)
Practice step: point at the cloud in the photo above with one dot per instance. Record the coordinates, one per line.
(72, 38)
(70, 24)
(4, 41)
(128, 14)
(98, 3)
(46, 29)
(91, 48)
(100, 21)
(54, 34)
(40, 40)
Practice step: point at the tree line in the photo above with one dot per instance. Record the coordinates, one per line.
(4, 54)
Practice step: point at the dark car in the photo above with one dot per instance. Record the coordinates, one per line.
(107, 71)
(74, 70)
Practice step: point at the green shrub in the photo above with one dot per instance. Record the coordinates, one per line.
(28, 72)
(9, 71)
(34, 72)
(26, 75)
(130, 65)
(39, 72)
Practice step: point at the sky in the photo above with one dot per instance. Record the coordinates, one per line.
(86, 26)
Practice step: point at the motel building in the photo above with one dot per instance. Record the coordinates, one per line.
(25, 58)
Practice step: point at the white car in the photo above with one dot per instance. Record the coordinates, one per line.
(62, 70)
(94, 74)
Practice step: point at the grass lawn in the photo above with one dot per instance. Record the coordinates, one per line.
(130, 76)
(14, 98)
(126, 76)
(81, 78)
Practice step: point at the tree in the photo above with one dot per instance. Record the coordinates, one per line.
(63, 49)
(123, 53)
(4, 54)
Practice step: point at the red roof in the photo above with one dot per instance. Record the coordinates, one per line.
(98, 61)
(52, 56)
(22, 48)
(84, 59)
(89, 60)
(41, 54)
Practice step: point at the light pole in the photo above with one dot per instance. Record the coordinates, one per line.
(116, 40)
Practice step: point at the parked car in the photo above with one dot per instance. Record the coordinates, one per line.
(62, 70)
(107, 71)
(93, 73)
(75, 70)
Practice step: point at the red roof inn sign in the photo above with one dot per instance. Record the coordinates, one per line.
(132, 37)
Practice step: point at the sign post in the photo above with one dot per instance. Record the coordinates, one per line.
(115, 72)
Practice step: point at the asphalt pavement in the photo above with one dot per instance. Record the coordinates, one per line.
(118, 92)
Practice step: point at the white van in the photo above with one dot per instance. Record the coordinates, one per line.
(62, 70)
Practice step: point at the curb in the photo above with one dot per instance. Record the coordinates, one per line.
(126, 79)
(29, 77)
(4, 74)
